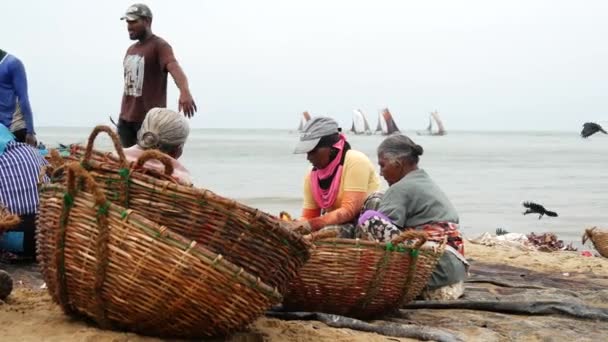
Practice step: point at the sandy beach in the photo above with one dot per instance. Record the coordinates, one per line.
(30, 315)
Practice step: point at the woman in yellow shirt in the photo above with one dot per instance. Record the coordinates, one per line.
(340, 180)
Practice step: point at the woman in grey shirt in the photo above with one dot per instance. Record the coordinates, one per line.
(414, 201)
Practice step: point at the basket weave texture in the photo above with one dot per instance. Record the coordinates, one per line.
(243, 235)
(124, 271)
(8, 220)
(599, 239)
(362, 279)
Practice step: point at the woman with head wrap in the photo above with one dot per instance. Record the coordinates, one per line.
(166, 131)
(340, 180)
(414, 201)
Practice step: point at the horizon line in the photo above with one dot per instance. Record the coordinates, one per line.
(295, 129)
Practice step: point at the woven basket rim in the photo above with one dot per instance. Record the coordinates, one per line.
(150, 178)
(374, 244)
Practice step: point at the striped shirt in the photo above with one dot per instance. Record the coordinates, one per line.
(20, 166)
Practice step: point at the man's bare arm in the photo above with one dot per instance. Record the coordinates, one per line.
(186, 102)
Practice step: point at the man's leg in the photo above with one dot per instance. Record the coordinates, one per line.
(127, 131)
(28, 227)
(20, 135)
(27, 250)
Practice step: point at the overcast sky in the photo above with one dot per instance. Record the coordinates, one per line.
(484, 65)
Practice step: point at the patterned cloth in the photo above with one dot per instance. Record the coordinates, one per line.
(20, 166)
(352, 230)
(375, 226)
(437, 231)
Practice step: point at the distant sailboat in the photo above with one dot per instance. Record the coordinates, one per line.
(386, 123)
(360, 123)
(437, 128)
(303, 120)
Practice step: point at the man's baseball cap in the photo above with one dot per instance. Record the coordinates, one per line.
(137, 11)
(315, 129)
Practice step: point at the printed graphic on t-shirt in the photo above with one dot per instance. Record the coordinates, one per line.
(134, 75)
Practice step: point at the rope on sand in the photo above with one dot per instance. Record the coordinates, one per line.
(388, 329)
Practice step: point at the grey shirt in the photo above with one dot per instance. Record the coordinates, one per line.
(416, 200)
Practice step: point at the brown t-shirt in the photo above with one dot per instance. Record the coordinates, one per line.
(145, 66)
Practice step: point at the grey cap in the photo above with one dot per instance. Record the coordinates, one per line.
(315, 129)
(137, 11)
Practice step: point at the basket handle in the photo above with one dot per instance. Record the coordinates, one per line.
(411, 234)
(55, 158)
(115, 141)
(588, 235)
(156, 155)
(75, 170)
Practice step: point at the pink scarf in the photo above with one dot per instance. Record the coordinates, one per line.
(326, 198)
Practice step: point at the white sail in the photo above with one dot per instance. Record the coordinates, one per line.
(386, 123)
(379, 126)
(360, 125)
(303, 120)
(440, 129)
(383, 124)
(368, 129)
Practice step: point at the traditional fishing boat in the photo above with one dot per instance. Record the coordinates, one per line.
(303, 120)
(360, 123)
(435, 126)
(386, 123)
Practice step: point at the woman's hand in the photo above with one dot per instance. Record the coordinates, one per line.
(301, 227)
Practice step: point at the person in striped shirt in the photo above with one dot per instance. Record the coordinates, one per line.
(20, 166)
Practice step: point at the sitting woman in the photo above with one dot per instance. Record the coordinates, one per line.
(167, 131)
(414, 201)
(340, 180)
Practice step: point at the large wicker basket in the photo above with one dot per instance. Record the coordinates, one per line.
(599, 239)
(243, 235)
(362, 279)
(126, 272)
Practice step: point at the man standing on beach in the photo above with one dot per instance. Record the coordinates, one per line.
(146, 65)
(15, 109)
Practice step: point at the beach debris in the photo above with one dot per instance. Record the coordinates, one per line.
(590, 128)
(548, 242)
(500, 231)
(570, 247)
(516, 240)
(535, 208)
